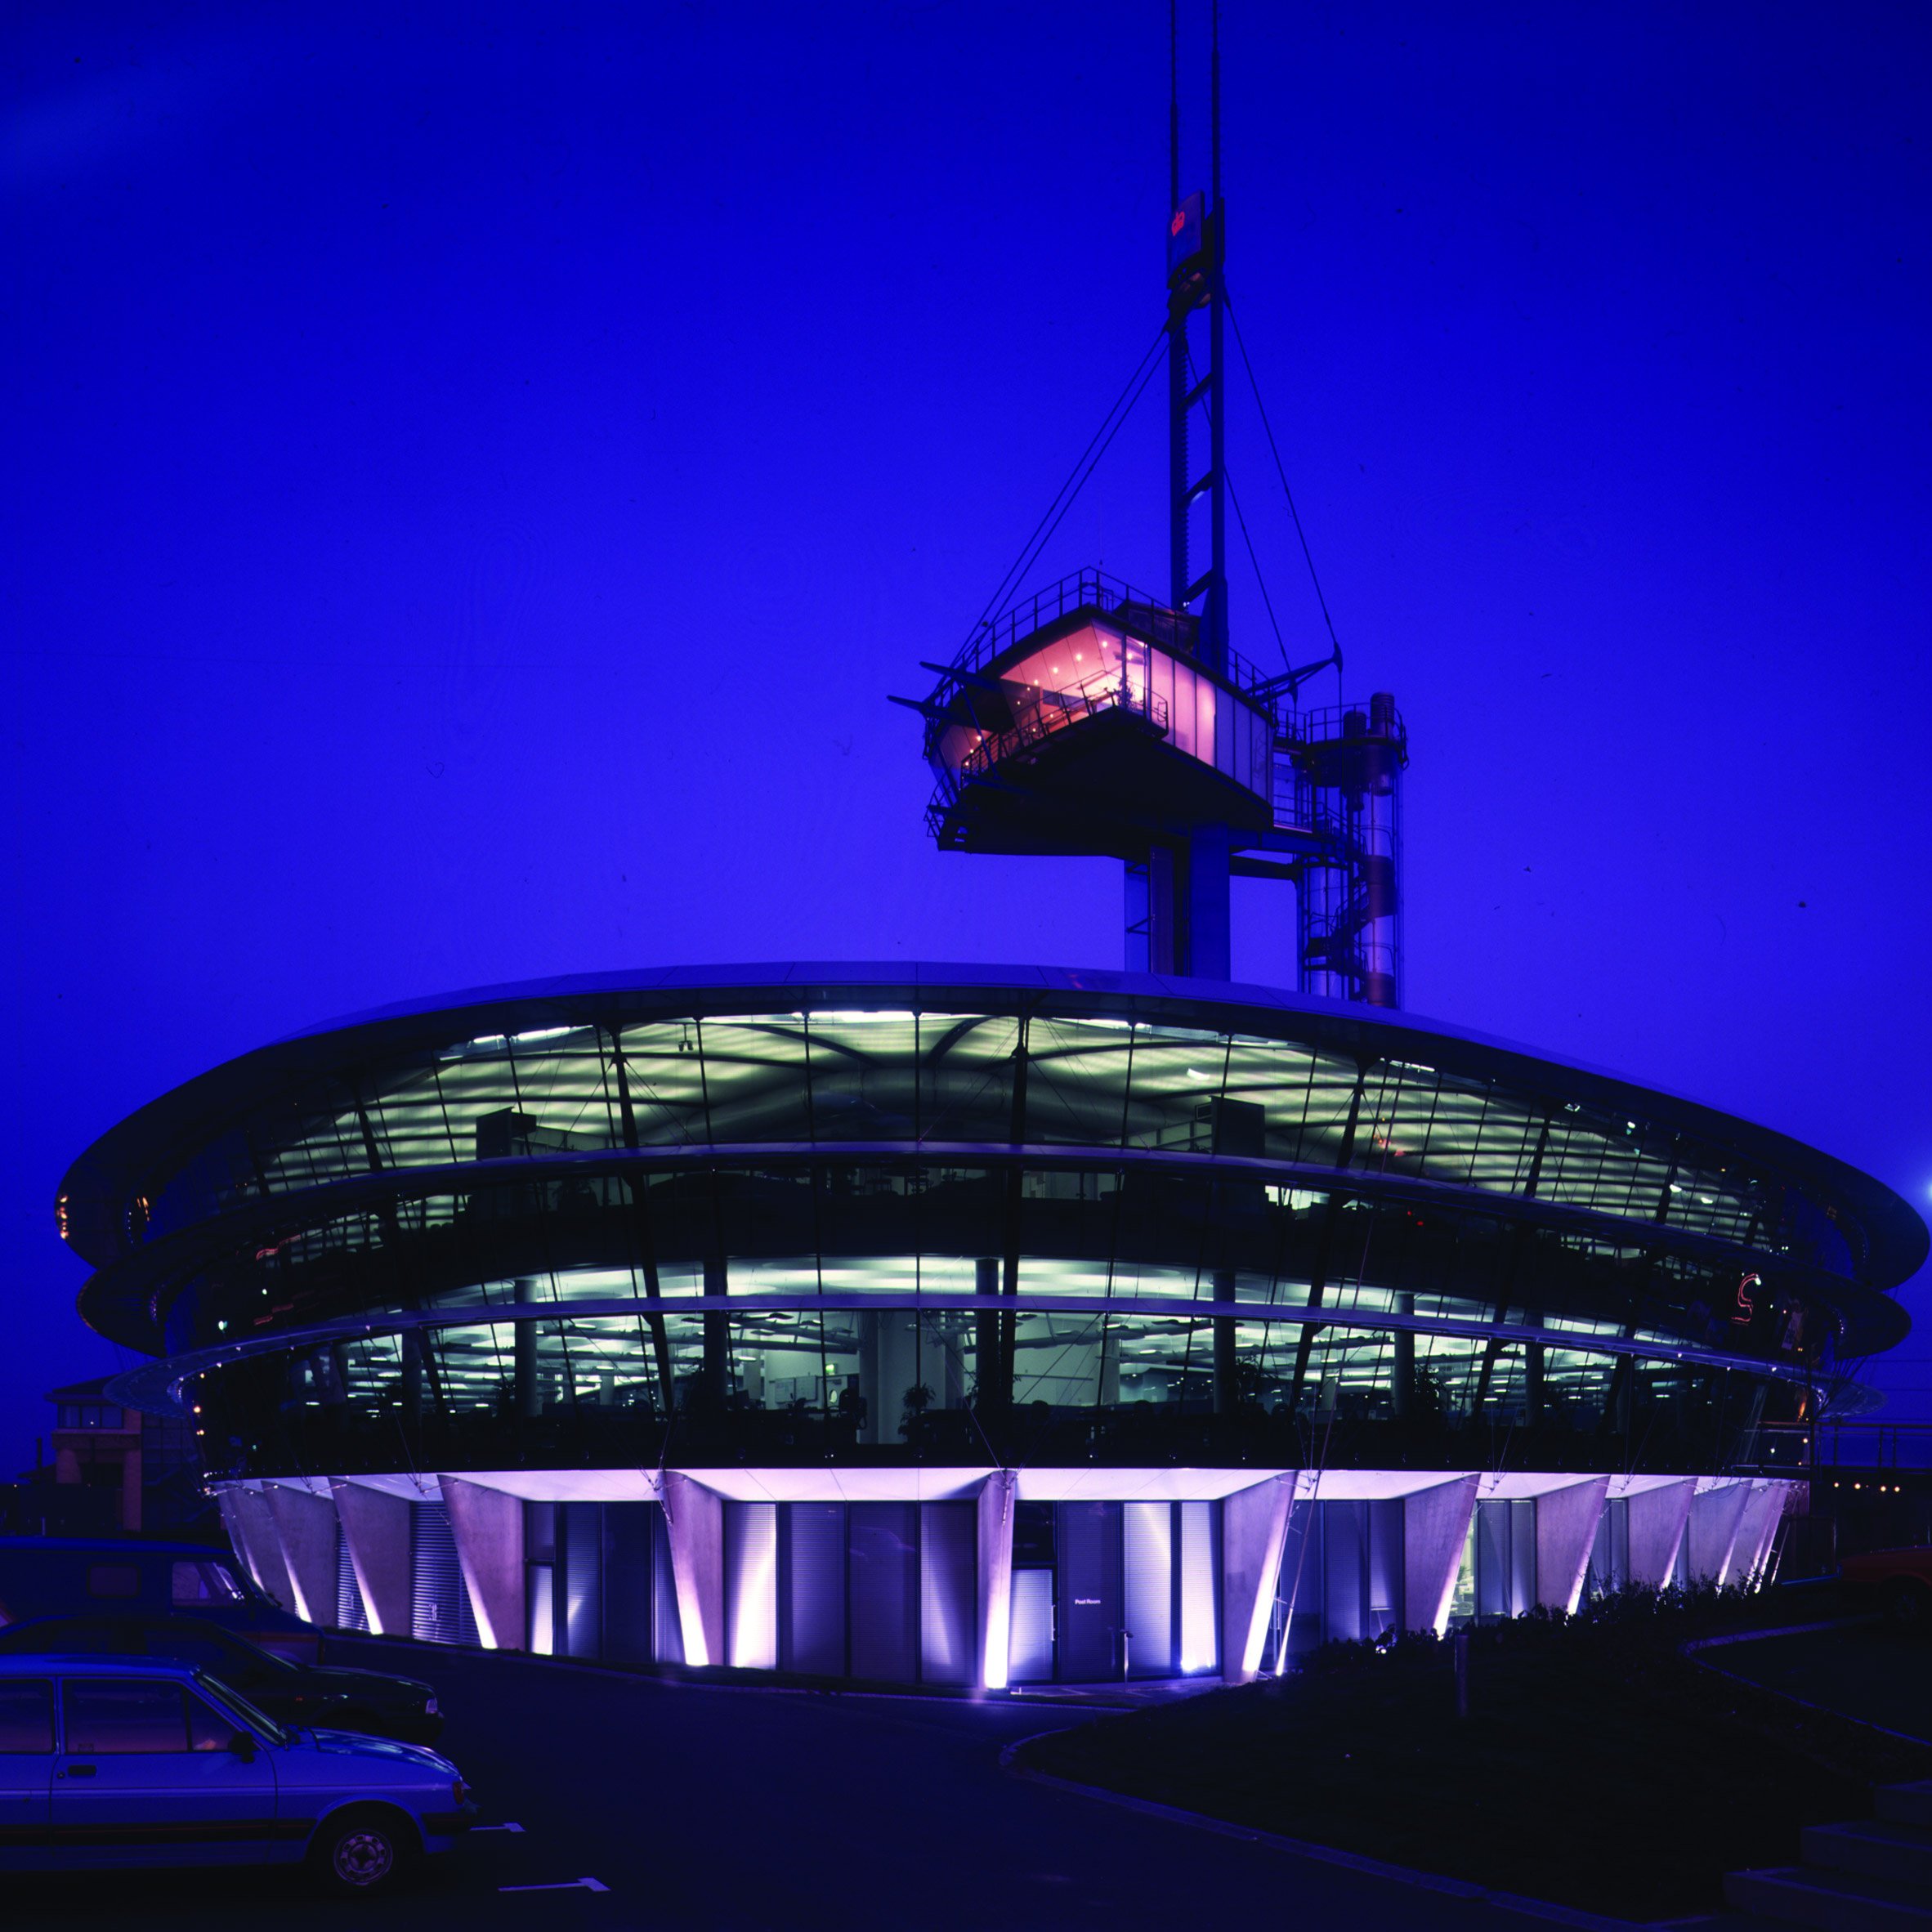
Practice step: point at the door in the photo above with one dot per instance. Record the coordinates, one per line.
(1030, 1644)
(1147, 1532)
(26, 1768)
(883, 1566)
(145, 1774)
(812, 1632)
(1091, 1610)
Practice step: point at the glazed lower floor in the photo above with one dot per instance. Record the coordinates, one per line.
(976, 1577)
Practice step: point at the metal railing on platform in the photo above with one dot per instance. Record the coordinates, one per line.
(1152, 621)
(1055, 712)
(1855, 1443)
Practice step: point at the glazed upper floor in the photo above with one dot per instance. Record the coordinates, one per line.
(933, 1060)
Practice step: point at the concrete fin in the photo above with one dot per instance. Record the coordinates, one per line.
(488, 1527)
(694, 1516)
(304, 1527)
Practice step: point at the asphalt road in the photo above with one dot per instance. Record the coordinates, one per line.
(703, 1808)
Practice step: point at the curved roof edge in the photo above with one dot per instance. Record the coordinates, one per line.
(119, 1162)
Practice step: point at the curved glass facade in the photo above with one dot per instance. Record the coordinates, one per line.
(950, 1328)
(937, 1079)
(1038, 1223)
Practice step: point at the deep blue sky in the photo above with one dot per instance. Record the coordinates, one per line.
(475, 472)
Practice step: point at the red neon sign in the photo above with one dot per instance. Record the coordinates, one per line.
(1746, 1308)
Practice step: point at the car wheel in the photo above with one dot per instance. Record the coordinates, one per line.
(361, 1852)
(1908, 1606)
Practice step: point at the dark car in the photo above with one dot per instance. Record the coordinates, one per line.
(121, 1577)
(1898, 1581)
(110, 1761)
(314, 1695)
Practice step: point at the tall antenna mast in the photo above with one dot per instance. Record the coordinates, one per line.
(1174, 104)
(1196, 419)
(1177, 896)
(1093, 719)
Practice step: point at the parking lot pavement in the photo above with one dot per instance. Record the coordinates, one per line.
(701, 1809)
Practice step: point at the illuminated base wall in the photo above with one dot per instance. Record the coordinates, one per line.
(975, 1577)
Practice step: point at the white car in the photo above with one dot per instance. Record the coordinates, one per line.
(112, 1762)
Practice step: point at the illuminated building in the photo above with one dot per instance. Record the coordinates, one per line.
(949, 1323)
(980, 1325)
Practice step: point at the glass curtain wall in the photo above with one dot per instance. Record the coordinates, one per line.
(968, 1384)
(1497, 1575)
(1341, 1577)
(1103, 1591)
(597, 1583)
(837, 1076)
(885, 1592)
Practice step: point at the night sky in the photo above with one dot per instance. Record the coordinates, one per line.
(476, 473)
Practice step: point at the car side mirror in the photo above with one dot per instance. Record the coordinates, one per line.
(243, 1745)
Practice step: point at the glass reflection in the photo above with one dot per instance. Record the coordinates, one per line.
(965, 1385)
(927, 1078)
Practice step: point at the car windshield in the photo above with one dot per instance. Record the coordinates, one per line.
(239, 1704)
(202, 1581)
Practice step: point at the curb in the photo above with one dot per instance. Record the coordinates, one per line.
(1329, 1854)
(684, 1677)
(1688, 1651)
(1784, 1630)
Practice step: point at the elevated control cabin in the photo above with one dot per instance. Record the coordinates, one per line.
(1084, 723)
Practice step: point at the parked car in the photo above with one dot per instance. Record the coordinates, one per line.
(107, 1762)
(344, 1700)
(1898, 1581)
(76, 1576)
